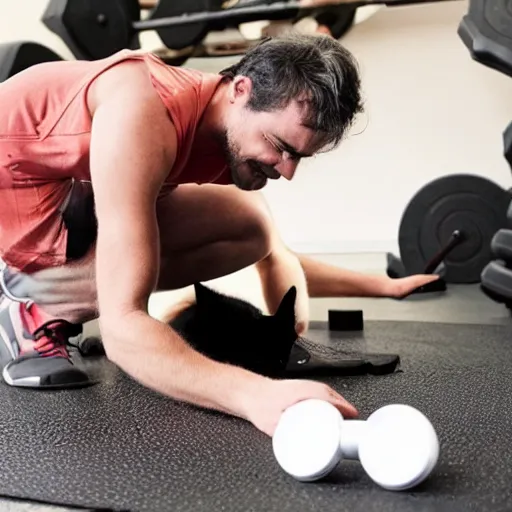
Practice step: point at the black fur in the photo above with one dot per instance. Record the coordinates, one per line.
(234, 331)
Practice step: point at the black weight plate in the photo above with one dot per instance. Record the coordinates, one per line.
(178, 38)
(507, 144)
(53, 19)
(486, 30)
(94, 29)
(338, 18)
(472, 204)
(15, 57)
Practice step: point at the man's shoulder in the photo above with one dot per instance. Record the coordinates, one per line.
(129, 77)
(143, 72)
(178, 79)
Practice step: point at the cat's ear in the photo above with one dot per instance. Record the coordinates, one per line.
(203, 294)
(286, 310)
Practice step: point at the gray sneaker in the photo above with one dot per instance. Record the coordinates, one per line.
(33, 348)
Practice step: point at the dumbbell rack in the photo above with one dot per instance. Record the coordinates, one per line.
(483, 229)
(497, 274)
(487, 33)
(96, 29)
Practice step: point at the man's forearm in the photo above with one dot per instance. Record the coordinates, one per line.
(157, 357)
(325, 280)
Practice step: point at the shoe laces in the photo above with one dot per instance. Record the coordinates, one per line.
(52, 338)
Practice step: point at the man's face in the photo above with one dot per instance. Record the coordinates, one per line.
(264, 145)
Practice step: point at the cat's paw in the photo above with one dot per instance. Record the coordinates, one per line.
(91, 346)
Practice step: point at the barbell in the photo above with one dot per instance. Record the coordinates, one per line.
(95, 29)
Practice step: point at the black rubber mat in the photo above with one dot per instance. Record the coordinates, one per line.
(120, 446)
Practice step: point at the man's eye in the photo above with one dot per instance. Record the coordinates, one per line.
(276, 146)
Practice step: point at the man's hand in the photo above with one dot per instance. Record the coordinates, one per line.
(404, 286)
(264, 407)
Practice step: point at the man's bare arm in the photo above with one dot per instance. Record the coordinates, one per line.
(133, 148)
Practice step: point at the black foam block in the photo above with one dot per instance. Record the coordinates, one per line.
(345, 320)
(118, 445)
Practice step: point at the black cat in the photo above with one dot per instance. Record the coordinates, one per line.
(234, 331)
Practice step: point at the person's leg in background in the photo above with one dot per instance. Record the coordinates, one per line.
(206, 232)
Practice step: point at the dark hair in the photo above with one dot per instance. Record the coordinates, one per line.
(316, 67)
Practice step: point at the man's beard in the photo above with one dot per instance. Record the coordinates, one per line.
(246, 174)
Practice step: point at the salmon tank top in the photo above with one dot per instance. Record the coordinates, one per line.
(45, 126)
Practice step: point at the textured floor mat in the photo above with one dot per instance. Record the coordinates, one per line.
(119, 446)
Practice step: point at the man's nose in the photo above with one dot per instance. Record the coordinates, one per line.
(287, 168)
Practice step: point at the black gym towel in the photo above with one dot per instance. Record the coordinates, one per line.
(119, 446)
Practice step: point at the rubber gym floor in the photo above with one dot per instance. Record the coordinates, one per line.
(133, 450)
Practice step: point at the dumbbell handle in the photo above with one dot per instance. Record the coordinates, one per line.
(351, 433)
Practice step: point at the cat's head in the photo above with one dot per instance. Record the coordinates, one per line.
(243, 323)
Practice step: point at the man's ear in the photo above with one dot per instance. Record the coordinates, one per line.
(240, 89)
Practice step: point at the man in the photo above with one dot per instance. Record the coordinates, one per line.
(174, 159)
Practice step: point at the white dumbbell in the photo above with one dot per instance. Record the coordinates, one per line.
(397, 445)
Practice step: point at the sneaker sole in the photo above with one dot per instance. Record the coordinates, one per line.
(35, 382)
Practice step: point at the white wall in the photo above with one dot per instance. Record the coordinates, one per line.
(431, 111)
(20, 20)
